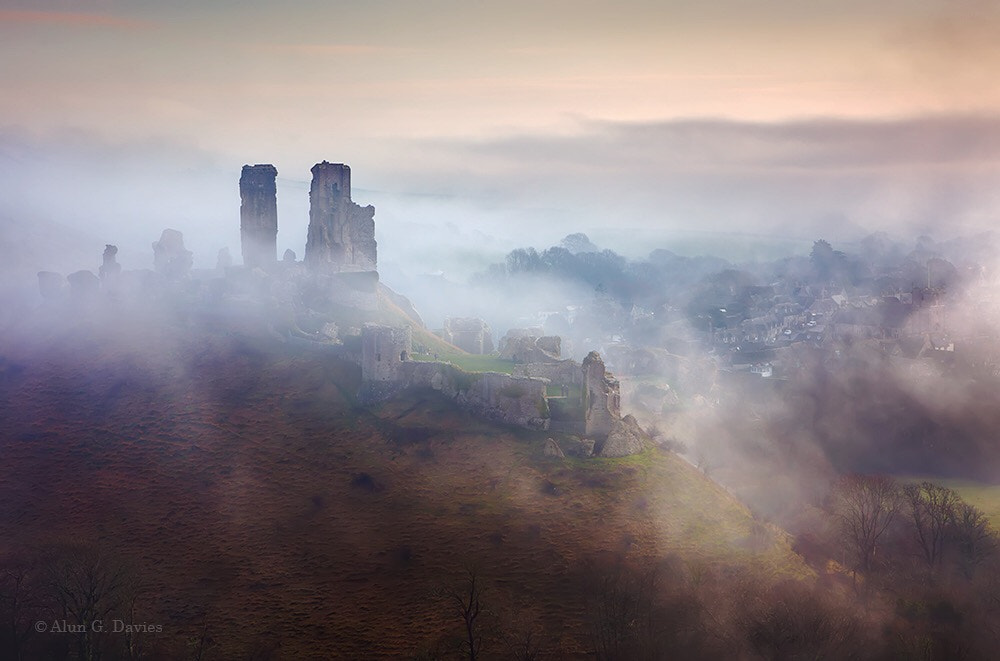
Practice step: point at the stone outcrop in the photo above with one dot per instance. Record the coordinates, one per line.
(574, 446)
(626, 437)
(259, 215)
(110, 268)
(601, 397)
(169, 256)
(341, 235)
(552, 449)
(469, 334)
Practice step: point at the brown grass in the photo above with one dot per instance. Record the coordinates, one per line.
(254, 497)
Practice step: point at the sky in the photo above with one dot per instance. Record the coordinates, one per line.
(511, 122)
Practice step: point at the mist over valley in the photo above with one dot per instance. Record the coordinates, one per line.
(523, 331)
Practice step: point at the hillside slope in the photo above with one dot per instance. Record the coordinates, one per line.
(258, 503)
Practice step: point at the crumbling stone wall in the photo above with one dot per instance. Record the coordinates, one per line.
(384, 349)
(259, 215)
(564, 372)
(469, 334)
(386, 371)
(601, 397)
(341, 235)
(502, 397)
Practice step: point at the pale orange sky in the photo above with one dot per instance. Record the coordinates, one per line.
(253, 77)
(821, 118)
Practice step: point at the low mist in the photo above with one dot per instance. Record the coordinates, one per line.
(798, 316)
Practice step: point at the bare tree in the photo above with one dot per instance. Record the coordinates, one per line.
(932, 510)
(522, 637)
(973, 538)
(89, 585)
(792, 621)
(866, 506)
(467, 601)
(614, 613)
(645, 614)
(22, 603)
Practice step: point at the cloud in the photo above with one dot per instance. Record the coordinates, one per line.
(815, 145)
(804, 177)
(27, 17)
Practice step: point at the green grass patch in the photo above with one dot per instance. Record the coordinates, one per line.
(474, 363)
(471, 362)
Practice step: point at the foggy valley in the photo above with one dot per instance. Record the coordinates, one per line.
(466, 331)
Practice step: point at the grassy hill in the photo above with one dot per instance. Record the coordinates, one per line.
(259, 504)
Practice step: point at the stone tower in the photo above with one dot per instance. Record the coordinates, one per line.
(259, 215)
(383, 349)
(341, 233)
(601, 397)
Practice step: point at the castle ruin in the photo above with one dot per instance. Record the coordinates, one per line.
(383, 350)
(468, 334)
(601, 397)
(387, 369)
(259, 215)
(170, 257)
(341, 235)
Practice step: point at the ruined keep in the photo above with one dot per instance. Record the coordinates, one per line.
(259, 215)
(341, 235)
(601, 397)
